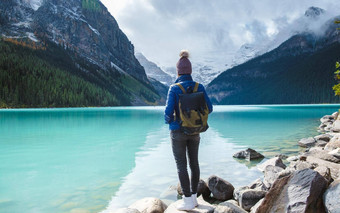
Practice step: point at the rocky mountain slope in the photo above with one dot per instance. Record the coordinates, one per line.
(89, 37)
(153, 71)
(299, 71)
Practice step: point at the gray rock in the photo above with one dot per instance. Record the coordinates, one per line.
(203, 207)
(271, 173)
(301, 191)
(220, 189)
(293, 158)
(321, 143)
(258, 184)
(276, 161)
(335, 115)
(322, 154)
(254, 208)
(334, 167)
(228, 207)
(250, 197)
(127, 210)
(336, 126)
(326, 118)
(149, 205)
(307, 142)
(334, 143)
(323, 137)
(282, 156)
(324, 172)
(331, 197)
(248, 154)
(237, 192)
(300, 165)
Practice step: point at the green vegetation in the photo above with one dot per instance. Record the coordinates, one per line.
(91, 5)
(54, 77)
(336, 87)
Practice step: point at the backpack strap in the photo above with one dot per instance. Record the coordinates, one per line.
(196, 87)
(181, 87)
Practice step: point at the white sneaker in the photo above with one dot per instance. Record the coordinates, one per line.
(194, 199)
(186, 205)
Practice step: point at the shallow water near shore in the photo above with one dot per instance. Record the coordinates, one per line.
(91, 159)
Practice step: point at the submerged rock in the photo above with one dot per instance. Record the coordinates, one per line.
(220, 189)
(301, 191)
(248, 154)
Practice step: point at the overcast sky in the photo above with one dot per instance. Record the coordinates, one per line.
(161, 28)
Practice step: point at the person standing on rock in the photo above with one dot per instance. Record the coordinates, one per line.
(185, 137)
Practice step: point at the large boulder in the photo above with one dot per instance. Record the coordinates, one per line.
(228, 207)
(248, 154)
(307, 142)
(300, 191)
(250, 197)
(149, 205)
(331, 197)
(276, 161)
(203, 207)
(220, 189)
(271, 173)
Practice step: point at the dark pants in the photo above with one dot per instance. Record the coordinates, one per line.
(182, 144)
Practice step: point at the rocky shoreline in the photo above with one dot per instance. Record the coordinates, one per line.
(307, 182)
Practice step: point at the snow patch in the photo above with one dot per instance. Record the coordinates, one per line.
(94, 30)
(32, 36)
(113, 65)
(35, 4)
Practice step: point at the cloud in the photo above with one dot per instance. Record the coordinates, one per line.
(161, 28)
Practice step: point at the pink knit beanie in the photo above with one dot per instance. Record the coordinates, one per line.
(183, 64)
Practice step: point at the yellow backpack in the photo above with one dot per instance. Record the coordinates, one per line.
(193, 111)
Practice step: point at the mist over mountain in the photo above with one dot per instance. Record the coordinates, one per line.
(298, 71)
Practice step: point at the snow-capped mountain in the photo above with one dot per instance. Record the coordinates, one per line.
(208, 67)
(153, 71)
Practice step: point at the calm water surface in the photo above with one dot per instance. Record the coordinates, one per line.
(94, 159)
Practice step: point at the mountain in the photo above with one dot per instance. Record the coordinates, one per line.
(299, 71)
(84, 35)
(153, 71)
(208, 66)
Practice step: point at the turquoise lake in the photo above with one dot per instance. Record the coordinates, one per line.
(99, 159)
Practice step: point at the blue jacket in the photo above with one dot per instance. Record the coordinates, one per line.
(172, 108)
